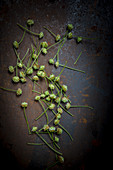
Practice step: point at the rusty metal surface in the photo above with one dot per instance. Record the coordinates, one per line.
(91, 129)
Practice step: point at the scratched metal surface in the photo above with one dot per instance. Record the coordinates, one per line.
(91, 129)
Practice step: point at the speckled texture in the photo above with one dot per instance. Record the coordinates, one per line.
(90, 128)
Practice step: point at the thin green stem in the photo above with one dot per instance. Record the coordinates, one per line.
(53, 140)
(17, 68)
(62, 69)
(66, 110)
(48, 144)
(45, 110)
(33, 33)
(41, 114)
(78, 57)
(85, 37)
(52, 165)
(19, 58)
(36, 91)
(35, 144)
(22, 38)
(51, 120)
(35, 58)
(27, 122)
(72, 68)
(50, 31)
(7, 89)
(25, 55)
(81, 106)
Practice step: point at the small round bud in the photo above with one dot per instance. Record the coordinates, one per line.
(57, 79)
(16, 44)
(41, 74)
(52, 129)
(47, 93)
(24, 104)
(15, 79)
(52, 96)
(60, 110)
(51, 86)
(79, 39)
(29, 71)
(44, 51)
(19, 91)
(51, 61)
(37, 98)
(56, 139)
(70, 35)
(57, 100)
(52, 77)
(36, 66)
(20, 65)
(58, 116)
(42, 96)
(35, 78)
(30, 22)
(34, 56)
(68, 105)
(59, 131)
(46, 127)
(22, 74)
(41, 35)
(42, 67)
(64, 99)
(61, 159)
(57, 64)
(69, 27)
(64, 88)
(51, 106)
(48, 99)
(34, 129)
(23, 80)
(56, 121)
(44, 44)
(11, 69)
(57, 37)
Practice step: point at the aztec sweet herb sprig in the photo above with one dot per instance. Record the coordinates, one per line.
(53, 98)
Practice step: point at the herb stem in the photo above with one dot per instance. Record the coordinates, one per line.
(50, 31)
(27, 122)
(62, 69)
(78, 57)
(45, 110)
(66, 110)
(22, 38)
(7, 89)
(72, 68)
(81, 106)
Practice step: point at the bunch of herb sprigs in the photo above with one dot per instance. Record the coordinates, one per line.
(54, 97)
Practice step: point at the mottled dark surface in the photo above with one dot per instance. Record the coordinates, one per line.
(91, 129)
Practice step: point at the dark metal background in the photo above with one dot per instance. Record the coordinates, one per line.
(91, 129)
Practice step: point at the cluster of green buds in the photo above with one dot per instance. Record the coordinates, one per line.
(41, 74)
(57, 37)
(30, 22)
(69, 27)
(20, 65)
(35, 78)
(19, 91)
(15, 79)
(24, 104)
(79, 39)
(11, 69)
(15, 44)
(51, 61)
(57, 64)
(41, 35)
(44, 50)
(35, 66)
(70, 35)
(29, 71)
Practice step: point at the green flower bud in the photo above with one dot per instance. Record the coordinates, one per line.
(51, 86)
(58, 116)
(19, 91)
(60, 159)
(22, 74)
(56, 139)
(79, 39)
(37, 98)
(44, 50)
(34, 129)
(64, 88)
(70, 35)
(41, 35)
(57, 100)
(60, 110)
(52, 77)
(42, 96)
(48, 98)
(52, 129)
(51, 61)
(57, 79)
(52, 96)
(41, 74)
(34, 56)
(68, 105)
(59, 131)
(11, 69)
(44, 44)
(58, 37)
(57, 64)
(51, 106)
(64, 99)
(69, 27)
(36, 66)
(29, 71)
(15, 79)
(30, 22)
(47, 93)
(46, 127)
(23, 80)
(16, 44)
(24, 104)
(35, 78)
(42, 67)
(56, 121)
(20, 65)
